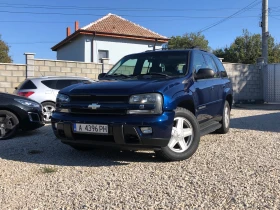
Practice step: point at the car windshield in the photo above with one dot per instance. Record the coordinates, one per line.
(157, 64)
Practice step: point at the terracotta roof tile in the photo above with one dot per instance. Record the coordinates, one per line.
(115, 24)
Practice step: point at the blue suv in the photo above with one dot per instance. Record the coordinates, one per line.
(160, 100)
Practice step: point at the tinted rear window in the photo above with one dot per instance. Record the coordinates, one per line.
(60, 84)
(28, 84)
(65, 83)
(50, 83)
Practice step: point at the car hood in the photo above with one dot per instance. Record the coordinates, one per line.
(117, 87)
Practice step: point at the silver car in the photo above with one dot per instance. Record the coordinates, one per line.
(45, 89)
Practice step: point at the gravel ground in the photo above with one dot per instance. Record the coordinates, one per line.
(239, 170)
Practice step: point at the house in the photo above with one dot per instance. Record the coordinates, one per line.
(109, 37)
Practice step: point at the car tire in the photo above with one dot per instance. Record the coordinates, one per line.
(185, 137)
(225, 120)
(8, 124)
(48, 108)
(80, 147)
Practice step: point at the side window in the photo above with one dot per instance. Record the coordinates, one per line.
(198, 62)
(50, 83)
(146, 65)
(64, 83)
(220, 67)
(211, 64)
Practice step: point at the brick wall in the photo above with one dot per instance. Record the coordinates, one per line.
(13, 74)
(10, 76)
(66, 68)
(246, 82)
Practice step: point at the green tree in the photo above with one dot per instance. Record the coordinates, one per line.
(188, 40)
(4, 52)
(247, 48)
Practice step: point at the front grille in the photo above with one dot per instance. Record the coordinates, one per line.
(99, 111)
(99, 99)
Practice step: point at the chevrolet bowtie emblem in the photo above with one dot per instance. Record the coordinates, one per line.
(93, 106)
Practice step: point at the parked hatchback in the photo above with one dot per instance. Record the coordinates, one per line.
(45, 89)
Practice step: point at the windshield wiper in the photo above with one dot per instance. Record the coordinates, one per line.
(159, 74)
(117, 75)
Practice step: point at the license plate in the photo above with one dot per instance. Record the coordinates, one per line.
(90, 128)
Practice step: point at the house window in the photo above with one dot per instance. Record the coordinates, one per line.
(103, 54)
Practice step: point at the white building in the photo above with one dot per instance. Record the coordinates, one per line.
(109, 37)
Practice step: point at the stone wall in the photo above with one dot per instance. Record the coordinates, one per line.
(13, 74)
(246, 81)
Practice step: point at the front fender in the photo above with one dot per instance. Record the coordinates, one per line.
(179, 97)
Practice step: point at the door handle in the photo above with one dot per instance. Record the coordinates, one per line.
(212, 88)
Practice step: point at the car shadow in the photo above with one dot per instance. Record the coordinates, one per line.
(42, 147)
(266, 122)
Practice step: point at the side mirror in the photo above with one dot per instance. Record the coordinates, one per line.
(204, 73)
(100, 76)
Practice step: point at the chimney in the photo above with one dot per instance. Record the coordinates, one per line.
(68, 31)
(76, 25)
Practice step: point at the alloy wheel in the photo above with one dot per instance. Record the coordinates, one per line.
(47, 112)
(6, 125)
(181, 135)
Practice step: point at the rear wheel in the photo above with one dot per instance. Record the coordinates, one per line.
(8, 124)
(184, 139)
(48, 108)
(226, 119)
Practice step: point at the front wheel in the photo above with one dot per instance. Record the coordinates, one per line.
(185, 137)
(8, 124)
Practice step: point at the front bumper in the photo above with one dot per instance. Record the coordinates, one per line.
(29, 118)
(123, 131)
(32, 120)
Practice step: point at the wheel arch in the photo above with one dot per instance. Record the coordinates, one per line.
(48, 101)
(12, 111)
(229, 99)
(187, 104)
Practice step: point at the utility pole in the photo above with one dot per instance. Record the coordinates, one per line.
(265, 32)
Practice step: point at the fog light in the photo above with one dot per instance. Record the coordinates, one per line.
(146, 130)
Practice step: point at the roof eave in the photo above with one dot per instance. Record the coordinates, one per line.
(96, 33)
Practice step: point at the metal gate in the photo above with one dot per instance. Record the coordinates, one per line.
(271, 83)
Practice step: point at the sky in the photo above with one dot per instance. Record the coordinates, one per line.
(37, 25)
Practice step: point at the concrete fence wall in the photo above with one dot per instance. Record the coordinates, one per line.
(13, 74)
(246, 79)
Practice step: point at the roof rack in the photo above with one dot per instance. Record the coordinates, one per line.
(198, 48)
(153, 50)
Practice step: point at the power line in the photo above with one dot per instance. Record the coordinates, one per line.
(107, 8)
(167, 16)
(274, 17)
(47, 42)
(253, 4)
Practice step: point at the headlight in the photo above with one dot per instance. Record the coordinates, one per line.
(28, 103)
(61, 98)
(146, 99)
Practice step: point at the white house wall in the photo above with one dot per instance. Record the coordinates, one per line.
(118, 47)
(74, 51)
